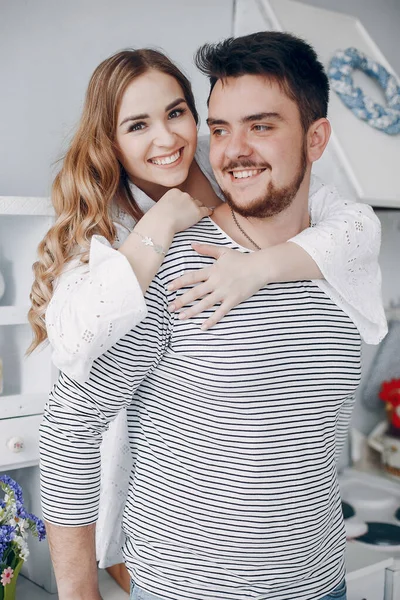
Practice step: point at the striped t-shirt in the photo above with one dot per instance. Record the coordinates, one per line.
(234, 434)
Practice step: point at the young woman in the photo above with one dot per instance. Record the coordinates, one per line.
(134, 175)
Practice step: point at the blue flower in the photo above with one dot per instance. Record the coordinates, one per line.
(16, 514)
(6, 536)
(21, 512)
(14, 487)
(37, 526)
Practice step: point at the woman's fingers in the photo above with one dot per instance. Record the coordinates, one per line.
(207, 302)
(190, 278)
(209, 249)
(190, 296)
(206, 211)
(217, 315)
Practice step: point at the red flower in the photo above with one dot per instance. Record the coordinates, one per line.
(390, 392)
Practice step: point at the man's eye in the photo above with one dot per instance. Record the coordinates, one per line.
(177, 112)
(219, 132)
(137, 126)
(262, 127)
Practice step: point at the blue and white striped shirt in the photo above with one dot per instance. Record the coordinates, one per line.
(234, 434)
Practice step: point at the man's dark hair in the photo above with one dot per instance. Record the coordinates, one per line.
(281, 57)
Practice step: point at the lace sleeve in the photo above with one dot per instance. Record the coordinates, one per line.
(92, 307)
(344, 241)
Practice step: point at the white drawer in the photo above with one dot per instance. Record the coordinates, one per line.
(368, 587)
(19, 442)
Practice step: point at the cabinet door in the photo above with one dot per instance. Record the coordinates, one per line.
(369, 587)
(25, 381)
(19, 441)
(392, 584)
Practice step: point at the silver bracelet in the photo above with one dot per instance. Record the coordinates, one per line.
(147, 241)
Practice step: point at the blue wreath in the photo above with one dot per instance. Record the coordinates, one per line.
(386, 119)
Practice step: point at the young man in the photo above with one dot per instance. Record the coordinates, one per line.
(233, 431)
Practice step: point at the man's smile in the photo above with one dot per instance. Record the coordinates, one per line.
(245, 173)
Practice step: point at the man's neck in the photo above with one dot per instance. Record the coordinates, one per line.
(267, 231)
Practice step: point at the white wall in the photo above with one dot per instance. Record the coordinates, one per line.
(380, 17)
(49, 49)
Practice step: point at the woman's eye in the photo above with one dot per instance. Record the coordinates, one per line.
(137, 126)
(177, 112)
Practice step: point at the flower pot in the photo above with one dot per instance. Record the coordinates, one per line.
(10, 590)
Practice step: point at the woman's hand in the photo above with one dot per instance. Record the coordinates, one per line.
(178, 210)
(234, 277)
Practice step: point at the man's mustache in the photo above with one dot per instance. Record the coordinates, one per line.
(245, 164)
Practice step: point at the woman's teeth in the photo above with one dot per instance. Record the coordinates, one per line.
(243, 174)
(167, 160)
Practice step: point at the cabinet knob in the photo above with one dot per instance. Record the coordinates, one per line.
(15, 444)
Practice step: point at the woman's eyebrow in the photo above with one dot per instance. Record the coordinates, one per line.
(134, 118)
(174, 103)
(146, 116)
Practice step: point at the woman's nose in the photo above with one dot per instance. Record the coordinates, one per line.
(165, 136)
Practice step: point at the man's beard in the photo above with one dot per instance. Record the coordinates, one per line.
(276, 199)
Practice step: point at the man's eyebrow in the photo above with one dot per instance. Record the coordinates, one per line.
(216, 122)
(261, 116)
(248, 119)
(147, 116)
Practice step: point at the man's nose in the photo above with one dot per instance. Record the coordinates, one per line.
(238, 146)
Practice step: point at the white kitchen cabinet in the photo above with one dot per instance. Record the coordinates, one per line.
(368, 587)
(26, 380)
(368, 572)
(392, 588)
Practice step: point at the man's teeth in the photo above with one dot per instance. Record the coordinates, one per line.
(167, 160)
(243, 174)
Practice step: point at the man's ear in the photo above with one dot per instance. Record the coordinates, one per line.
(317, 138)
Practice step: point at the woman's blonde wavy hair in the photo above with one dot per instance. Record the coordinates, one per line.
(91, 177)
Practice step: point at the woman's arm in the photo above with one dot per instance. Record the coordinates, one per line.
(342, 246)
(95, 304)
(345, 242)
(75, 417)
(236, 276)
(175, 211)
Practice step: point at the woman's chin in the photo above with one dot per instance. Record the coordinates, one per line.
(171, 179)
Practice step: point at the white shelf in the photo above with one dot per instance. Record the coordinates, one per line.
(13, 315)
(25, 205)
(22, 405)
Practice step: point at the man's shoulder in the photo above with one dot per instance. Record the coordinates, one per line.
(204, 232)
(181, 256)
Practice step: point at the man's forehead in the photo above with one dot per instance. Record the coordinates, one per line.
(231, 83)
(245, 95)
